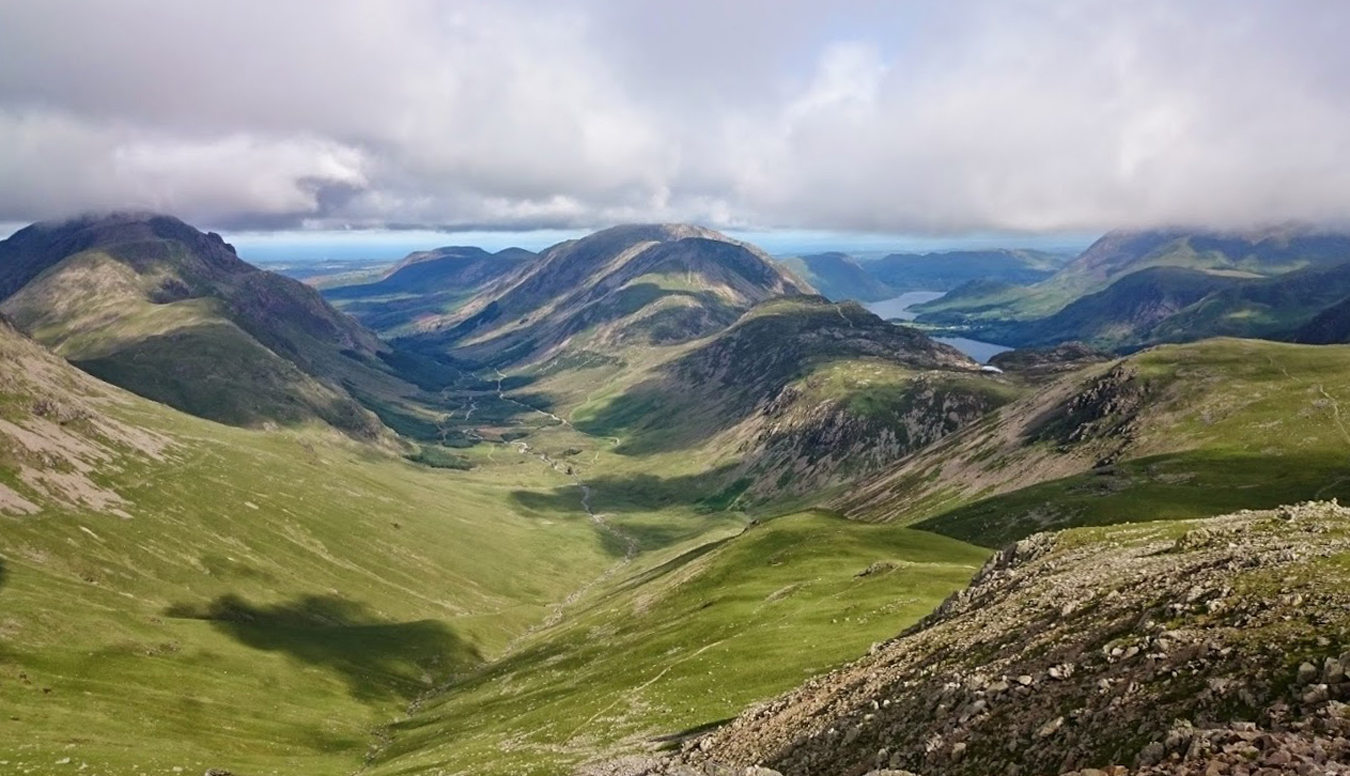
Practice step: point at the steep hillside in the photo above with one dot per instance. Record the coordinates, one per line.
(1210, 647)
(151, 304)
(1331, 326)
(839, 277)
(682, 645)
(637, 285)
(1170, 304)
(801, 393)
(177, 595)
(424, 285)
(1260, 253)
(1124, 313)
(1174, 432)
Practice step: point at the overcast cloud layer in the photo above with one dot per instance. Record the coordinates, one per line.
(930, 117)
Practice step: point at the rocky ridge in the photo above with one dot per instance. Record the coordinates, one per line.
(1211, 647)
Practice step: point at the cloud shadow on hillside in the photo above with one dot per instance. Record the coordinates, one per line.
(379, 660)
(712, 491)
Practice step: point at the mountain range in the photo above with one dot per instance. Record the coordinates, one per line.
(842, 277)
(647, 502)
(1133, 289)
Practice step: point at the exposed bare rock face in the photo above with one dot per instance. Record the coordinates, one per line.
(1210, 647)
(57, 434)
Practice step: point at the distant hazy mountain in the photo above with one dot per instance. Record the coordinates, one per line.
(425, 285)
(1331, 326)
(1124, 313)
(944, 271)
(628, 285)
(151, 304)
(1171, 304)
(839, 277)
(1249, 254)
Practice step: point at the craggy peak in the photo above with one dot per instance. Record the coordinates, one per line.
(450, 388)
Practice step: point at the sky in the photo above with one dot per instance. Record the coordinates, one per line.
(283, 122)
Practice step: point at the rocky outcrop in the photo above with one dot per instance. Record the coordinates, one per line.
(1108, 408)
(800, 445)
(1212, 647)
(1045, 362)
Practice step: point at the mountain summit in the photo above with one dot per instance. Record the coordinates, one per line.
(149, 303)
(635, 284)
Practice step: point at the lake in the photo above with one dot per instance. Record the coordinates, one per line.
(980, 351)
(897, 308)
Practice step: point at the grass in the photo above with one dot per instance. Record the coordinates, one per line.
(1228, 425)
(272, 599)
(293, 602)
(701, 635)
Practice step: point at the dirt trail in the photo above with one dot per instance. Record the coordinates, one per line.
(1335, 413)
(845, 318)
(501, 394)
(558, 610)
(1331, 400)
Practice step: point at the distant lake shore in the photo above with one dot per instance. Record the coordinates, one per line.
(898, 308)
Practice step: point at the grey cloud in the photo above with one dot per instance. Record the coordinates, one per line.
(1031, 115)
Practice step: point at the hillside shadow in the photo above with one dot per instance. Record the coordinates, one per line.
(710, 491)
(4, 574)
(378, 660)
(1187, 485)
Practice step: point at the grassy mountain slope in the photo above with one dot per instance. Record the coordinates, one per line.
(638, 285)
(1039, 364)
(1330, 326)
(799, 394)
(425, 285)
(181, 594)
(281, 597)
(1124, 313)
(1269, 307)
(839, 277)
(1207, 647)
(1174, 432)
(685, 643)
(1170, 304)
(170, 313)
(1263, 253)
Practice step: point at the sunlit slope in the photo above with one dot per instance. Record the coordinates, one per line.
(631, 286)
(1177, 431)
(800, 394)
(151, 304)
(177, 593)
(683, 644)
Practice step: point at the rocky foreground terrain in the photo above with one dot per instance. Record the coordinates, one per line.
(1215, 647)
